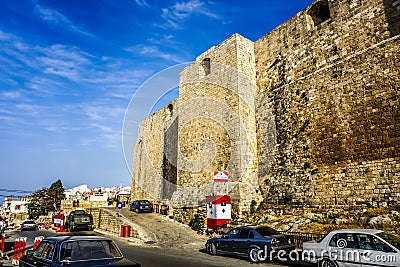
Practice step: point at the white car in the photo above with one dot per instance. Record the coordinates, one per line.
(354, 247)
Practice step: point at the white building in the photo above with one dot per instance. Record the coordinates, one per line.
(76, 193)
(14, 208)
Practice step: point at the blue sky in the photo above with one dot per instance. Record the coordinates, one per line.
(69, 68)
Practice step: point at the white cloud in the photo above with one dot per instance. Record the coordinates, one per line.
(4, 36)
(56, 18)
(11, 95)
(57, 89)
(177, 13)
(31, 109)
(142, 3)
(153, 51)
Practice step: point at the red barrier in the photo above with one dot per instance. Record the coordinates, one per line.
(15, 258)
(23, 247)
(37, 241)
(2, 244)
(19, 249)
(125, 231)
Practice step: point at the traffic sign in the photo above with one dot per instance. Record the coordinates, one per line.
(120, 205)
(220, 177)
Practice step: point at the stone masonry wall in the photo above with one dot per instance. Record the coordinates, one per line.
(308, 114)
(217, 123)
(334, 93)
(151, 170)
(107, 221)
(210, 127)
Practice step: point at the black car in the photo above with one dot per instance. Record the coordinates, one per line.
(141, 205)
(258, 243)
(29, 225)
(76, 251)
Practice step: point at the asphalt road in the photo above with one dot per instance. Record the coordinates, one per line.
(176, 245)
(146, 255)
(168, 257)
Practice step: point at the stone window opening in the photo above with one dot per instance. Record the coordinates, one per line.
(170, 109)
(207, 65)
(318, 13)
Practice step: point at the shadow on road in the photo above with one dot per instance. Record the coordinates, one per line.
(284, 263)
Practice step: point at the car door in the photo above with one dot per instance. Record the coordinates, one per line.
(43, 255)
(242, 242)
(227, 241)
(376, 252)
(343, 248)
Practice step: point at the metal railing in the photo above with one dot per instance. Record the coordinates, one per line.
(298, 238)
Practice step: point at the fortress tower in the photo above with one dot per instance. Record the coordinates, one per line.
(306, 115)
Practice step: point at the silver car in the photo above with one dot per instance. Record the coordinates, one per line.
(28, 225)
(354, 247)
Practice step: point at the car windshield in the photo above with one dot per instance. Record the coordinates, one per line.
(28, 222)
(89, 249)
(390, 238)
(266, 231)
(78, 212)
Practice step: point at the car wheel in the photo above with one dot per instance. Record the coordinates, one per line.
(211, 249)
(137, 210)
(254, 255)
(328, 263)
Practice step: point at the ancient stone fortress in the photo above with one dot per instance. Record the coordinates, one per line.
(308, 114)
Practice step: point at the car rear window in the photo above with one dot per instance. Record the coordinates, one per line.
(390, 238)
(89, 249)
(267, 231)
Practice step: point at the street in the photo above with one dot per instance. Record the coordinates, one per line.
(174, 244)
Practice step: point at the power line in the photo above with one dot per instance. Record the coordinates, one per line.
(15, 190)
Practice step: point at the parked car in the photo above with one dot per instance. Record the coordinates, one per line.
(3, 226)
(354, 247)
(28, 225)
(141, 205)
(76, 251)
(79, 220)
(258, 243)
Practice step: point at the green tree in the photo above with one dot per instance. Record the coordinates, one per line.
(39, 203)
(56, 192)
(45, 200)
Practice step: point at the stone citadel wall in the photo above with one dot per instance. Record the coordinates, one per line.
(308, 114)
(334, 89)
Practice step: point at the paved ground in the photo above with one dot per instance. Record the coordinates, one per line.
(166, 233)
(179, 243)
(171, 244)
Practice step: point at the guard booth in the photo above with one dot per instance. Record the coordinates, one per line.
(218, 211)
(218, 205)
(58, 220)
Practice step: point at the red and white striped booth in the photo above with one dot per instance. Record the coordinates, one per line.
(218, 211)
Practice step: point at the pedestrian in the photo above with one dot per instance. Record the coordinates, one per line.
(3, 226)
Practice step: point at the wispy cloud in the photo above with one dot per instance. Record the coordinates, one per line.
(142, 3)
(10, 95)
(60, 89)
(58, 19)
(180, 11)
(4, 36)
(153, 51)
